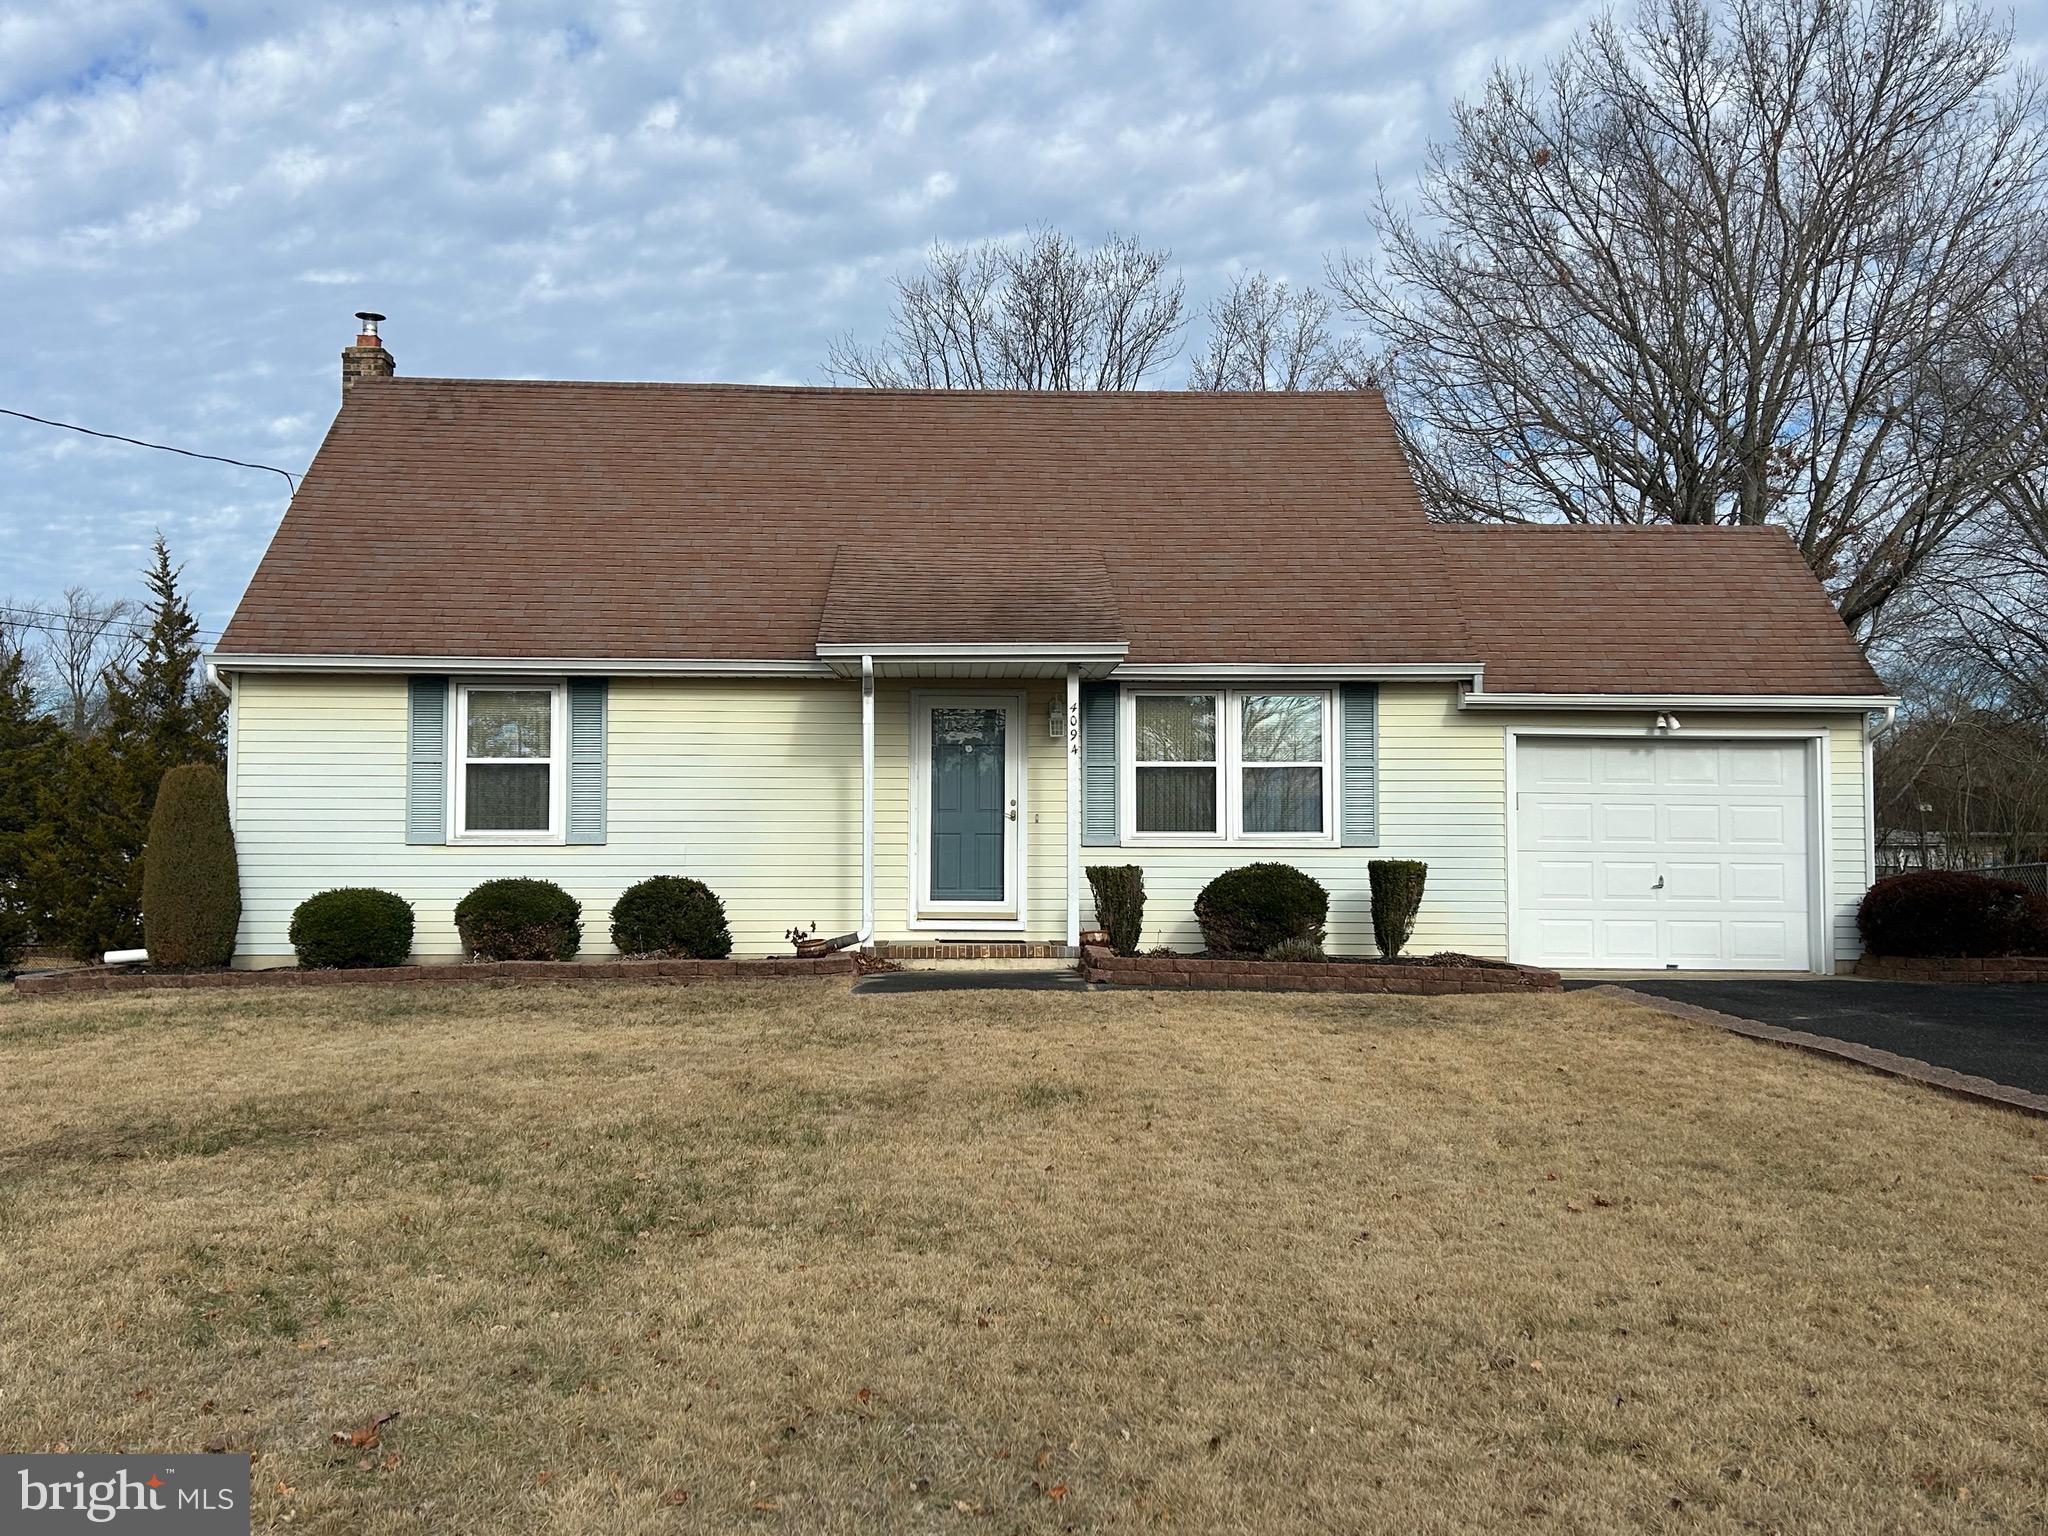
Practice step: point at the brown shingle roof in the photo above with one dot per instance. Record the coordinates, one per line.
(1655, 609)
(976, 592)
(462, 518)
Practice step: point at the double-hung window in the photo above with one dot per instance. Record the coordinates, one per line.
(508, 769)
(1246, 765)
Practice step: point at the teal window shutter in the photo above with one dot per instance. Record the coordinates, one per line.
(1359, 789)
(1098, 765)
(426, 760)
(586, 759)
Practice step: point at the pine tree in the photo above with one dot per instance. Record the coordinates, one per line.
(86, 856)
(30, 748)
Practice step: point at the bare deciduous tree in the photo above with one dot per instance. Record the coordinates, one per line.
(1726, 264)
(1039, 314)
(1265, 334)
(77, 645)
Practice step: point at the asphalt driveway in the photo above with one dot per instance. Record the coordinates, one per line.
(1997, 1031)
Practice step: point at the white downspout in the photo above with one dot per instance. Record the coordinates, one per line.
(1074, 810)
(867, 803)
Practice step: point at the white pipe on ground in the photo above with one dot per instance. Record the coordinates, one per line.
(124, 957)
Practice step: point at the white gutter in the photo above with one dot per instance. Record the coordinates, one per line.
(1744, 702)
(555, 666)
(1231, 671)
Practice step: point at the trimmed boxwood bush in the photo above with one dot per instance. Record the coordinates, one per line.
(1119, 903)
(1948, 914)
(520, 920)
(1396, 898)
(191, 887)
(353, 926)
(671, 916)
(1248, 911)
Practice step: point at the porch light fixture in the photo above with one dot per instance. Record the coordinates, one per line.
(1668, 722)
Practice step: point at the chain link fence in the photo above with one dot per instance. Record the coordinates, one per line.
(2033, 876)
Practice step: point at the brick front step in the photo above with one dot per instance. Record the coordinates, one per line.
(92, 979)
(1993, 968)
(1103, 965)
(964, 950)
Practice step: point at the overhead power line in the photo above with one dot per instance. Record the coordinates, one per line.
(116, 437)
(53, 623)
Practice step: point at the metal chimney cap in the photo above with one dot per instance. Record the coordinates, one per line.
(369, 318)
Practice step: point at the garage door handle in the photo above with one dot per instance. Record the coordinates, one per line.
(1659, 885)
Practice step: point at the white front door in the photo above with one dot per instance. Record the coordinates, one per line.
(967, 777)
(1650, 855)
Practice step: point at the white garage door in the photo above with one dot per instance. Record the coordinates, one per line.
(1652, 854)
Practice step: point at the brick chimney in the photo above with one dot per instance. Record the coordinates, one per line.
(367, 359)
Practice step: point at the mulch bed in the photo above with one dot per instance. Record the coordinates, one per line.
(1433, 975)
(95, 979)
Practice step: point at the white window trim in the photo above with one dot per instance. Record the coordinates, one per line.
(557, 761)
(1230, 767)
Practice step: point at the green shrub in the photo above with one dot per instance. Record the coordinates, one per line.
(1296, 950)
(520, 920)
(671, 916)
(1119, 903)
(1396, 898)
(191, 887)
(1247, 911)
(350, 927)
(1953, 915)
(16, 934)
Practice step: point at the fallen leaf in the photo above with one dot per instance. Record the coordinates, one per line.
(861, 1396)
(390, 1463)
(1574, 1207)
(766, 1506)
(367, 1437)
(1056, 1491)
(679, 1496)
(1535, 1365)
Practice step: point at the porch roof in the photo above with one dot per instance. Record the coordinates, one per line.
(972, 608)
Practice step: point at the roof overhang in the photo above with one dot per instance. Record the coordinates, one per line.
(1001, 659)
(521, 666)
(1808, 703)
(1302, 672)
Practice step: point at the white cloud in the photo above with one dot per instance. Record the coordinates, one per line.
(197, 200)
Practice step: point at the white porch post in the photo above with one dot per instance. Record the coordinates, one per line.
(1074, 809)
(867, 801)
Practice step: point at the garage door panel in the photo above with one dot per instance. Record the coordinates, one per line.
(1622, 766)
(1570, 939)
(1563, 823)
(1765, 943)
(1568, 880)
(1692, 881)
(1628, 941)
(1775, 882)
(1694, 822)
(1627, 821)
(1763, 824)
(1632, 883)
(1660, 854)
(1692, 765)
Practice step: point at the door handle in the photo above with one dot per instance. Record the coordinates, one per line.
(1659, 885)
(1013, 810)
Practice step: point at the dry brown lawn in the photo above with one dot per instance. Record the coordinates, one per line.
(776, 1257)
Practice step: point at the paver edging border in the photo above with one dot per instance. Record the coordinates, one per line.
(1911, 1068)
(1993, 968)
(92, 980)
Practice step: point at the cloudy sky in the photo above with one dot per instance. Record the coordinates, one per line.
(194, 199)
